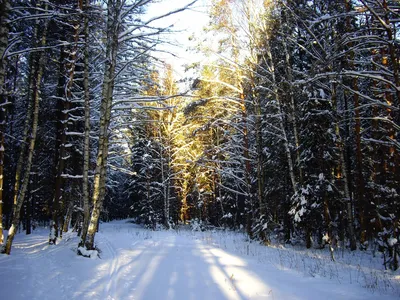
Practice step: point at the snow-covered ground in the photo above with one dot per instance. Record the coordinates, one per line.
(136, 263)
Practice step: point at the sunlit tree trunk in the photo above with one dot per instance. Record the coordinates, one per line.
(86, 147)
(34, 58)
(19, 198)
(113, 25)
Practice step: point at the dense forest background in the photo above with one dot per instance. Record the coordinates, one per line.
(290, 130)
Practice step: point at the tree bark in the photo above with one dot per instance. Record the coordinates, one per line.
(4, 30)
(32, 139)
(68, 216)
(59, 201)
(247, 169)
(164, 177)
(34, 62)
(292, 103)
(113, 25)
(86, 147)
(288, 153)
(62, 116)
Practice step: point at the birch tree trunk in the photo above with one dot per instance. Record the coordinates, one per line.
(86, 147)
(165, 174)
(281, 122)
(283, 130)
(32, 139)
(34, 60)
(289, 75)
(113, 25)
(247, 168)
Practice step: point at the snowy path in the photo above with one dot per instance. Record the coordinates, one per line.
(140, 264)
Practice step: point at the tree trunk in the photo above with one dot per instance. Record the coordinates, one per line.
(28, 216)
(282, 124)
(345, 177)
(62, 107)
(65, 106)
(34, 62)
(247, 170)
(164, 182)
(293, 109)
(32, 139)
(27, 123)
(4, 30)
(86, 147)
(68, 216)
(113, 25)
(260, 160)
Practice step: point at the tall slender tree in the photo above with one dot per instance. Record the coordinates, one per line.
(4, 30)
(36, 74)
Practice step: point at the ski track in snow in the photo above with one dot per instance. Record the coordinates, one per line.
(112, 272)
(139, 264)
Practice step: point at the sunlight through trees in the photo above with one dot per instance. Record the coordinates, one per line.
(288, 130)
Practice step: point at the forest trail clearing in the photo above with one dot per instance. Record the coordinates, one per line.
(136, 263)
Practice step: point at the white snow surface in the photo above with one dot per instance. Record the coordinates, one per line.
(135, 263)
